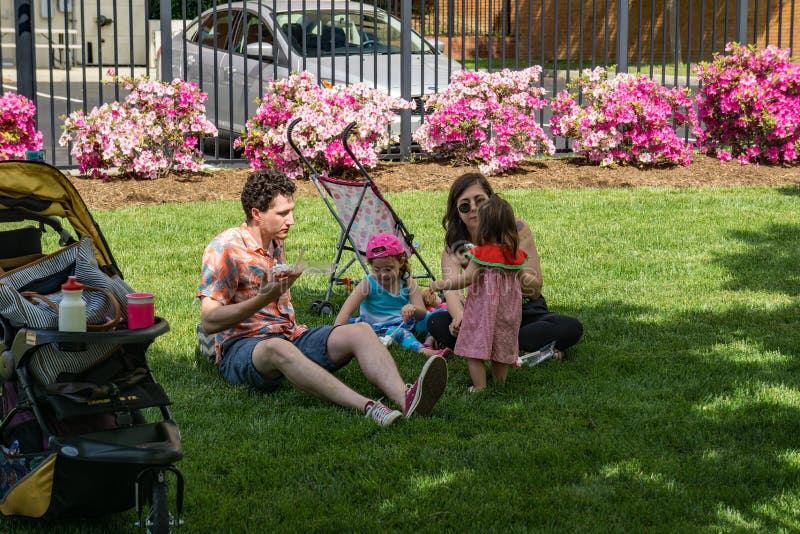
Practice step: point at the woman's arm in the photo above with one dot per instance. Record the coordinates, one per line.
(353, 302)
(416, 307)
(460, 281)
(531, 275)
(455, 299)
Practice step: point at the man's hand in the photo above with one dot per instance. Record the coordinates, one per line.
(278, 283)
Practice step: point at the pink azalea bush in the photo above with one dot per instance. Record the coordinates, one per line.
(324, 112)
(486, 118)
(627, 119)
(18, 131)
(156, 128)
(749, 105)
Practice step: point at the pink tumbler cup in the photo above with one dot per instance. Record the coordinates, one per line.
(141, 311)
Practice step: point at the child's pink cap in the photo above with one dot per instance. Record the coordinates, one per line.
(383, 245)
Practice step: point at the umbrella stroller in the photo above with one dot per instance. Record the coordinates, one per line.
(76, 441)
(361, 211)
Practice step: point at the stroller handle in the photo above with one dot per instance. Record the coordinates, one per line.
(346, 144)
(289, 131)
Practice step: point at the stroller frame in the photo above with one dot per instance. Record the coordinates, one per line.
(152, 445)
(120, 446)
(345, 241)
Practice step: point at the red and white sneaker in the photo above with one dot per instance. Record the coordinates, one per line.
(381, 414)
(423, 394)
(444, 353)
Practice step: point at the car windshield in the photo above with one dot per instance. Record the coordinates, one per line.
(346, 32)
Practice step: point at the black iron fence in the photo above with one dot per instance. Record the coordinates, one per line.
(57, 52)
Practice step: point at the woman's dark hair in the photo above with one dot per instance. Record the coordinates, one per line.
(261, 189)
(455, 231)
(497, 224)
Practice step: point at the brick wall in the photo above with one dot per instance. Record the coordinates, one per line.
(552, 28)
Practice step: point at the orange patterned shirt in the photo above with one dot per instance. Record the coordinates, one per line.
(233, 267)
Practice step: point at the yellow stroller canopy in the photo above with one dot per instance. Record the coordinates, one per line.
(33, 188)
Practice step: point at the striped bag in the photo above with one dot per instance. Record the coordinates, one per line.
(29, 297)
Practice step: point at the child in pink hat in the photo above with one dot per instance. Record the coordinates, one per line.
(389, 299)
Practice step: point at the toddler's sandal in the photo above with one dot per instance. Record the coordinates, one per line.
(473, 389)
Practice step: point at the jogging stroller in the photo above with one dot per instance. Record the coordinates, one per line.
(361, 211)
(75, 432)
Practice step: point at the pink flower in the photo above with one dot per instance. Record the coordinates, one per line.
(154, 129)
(18, 131)
(624, 120)
(486, 118)
(749, 105)
(324, 114)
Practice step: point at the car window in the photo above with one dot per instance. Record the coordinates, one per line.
(252, 32)
(214, 31)
(345, 31)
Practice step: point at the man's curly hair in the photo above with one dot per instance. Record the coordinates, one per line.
(261, 189)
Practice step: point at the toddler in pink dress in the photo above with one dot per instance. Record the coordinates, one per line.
(493, 309)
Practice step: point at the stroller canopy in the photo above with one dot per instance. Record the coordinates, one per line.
(32, 190)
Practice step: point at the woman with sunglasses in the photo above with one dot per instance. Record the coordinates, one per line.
(539, 325)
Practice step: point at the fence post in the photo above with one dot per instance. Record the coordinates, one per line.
(405, 76)
(25, 54)
(741, 21)
(623, 18)
(165, 14)
(451, 20)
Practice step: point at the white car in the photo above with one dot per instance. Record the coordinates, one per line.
(234, 50)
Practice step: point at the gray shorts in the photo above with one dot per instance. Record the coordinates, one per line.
(237, 357)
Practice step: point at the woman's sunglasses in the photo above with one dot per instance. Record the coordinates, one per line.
(466, 206)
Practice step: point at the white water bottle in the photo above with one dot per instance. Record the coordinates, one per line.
(72, 309)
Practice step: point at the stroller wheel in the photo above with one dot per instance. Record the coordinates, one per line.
(314, 307)
(326, 308)
(152, 496)
(159, 520)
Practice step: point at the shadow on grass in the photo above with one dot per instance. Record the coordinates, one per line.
(771, 261)
(790, 190)
(696, 411)
(708, 400)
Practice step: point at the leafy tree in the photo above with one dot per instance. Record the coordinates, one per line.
(192, 8)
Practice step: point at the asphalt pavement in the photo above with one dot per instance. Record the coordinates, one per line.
(60, 92)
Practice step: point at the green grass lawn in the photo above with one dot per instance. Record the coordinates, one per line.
(677, 412)
(655, 71)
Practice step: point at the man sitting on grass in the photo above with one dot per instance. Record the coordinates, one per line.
(247, 304)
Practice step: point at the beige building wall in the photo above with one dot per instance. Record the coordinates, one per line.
(58, 22)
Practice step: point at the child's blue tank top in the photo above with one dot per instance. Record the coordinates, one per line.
(381, 305)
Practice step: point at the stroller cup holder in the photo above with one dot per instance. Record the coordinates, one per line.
(121, 336)
(28, 339)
